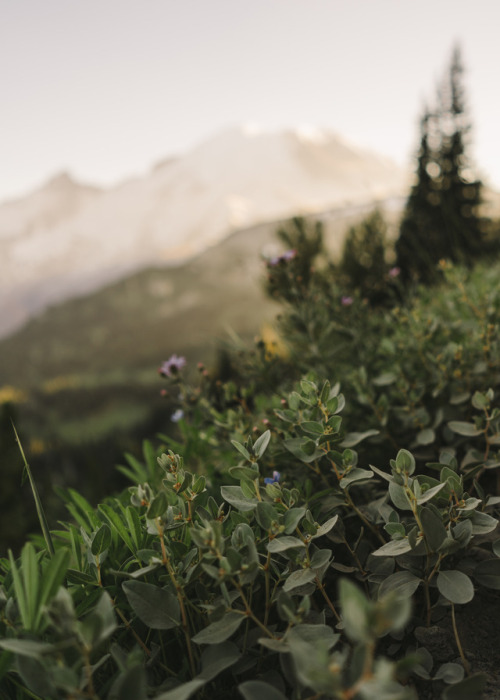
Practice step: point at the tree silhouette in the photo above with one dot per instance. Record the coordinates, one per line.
(441, 218)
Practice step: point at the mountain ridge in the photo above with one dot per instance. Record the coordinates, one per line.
(68, 239)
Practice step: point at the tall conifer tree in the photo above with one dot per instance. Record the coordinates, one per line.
(441, 218)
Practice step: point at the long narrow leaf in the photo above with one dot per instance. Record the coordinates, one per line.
(19, 591)
(31, 580)
(52, 577)
(116, 524)
(38, 503)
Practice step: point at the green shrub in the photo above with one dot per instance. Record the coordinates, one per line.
(298, 533)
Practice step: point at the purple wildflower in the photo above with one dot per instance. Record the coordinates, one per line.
(346, 301)
(394, 272)
(177, 415)
(274, 480)
(285, 257)
(172, 366)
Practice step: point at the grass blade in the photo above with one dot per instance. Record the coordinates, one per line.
(19, 591)
(38, 503)
(31, 578)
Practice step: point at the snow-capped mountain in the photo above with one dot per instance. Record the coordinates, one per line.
(67, 238)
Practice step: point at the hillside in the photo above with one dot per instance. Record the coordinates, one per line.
(184, 309)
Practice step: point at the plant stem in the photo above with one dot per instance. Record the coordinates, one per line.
(248, 610)
(266, 579)
(180, 597)
(327, 598)
(457, 639)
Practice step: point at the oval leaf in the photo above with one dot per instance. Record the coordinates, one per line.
(403, 582)
(281, 544)
(298, 578)
(156, 607)
(487, 573)
(221, 630)
(455, 586)
(463, 428)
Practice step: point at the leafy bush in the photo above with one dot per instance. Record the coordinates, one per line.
(299, 537)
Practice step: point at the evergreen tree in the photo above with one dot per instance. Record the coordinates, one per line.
(441, 218)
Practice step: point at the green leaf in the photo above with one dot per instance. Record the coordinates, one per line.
(355, 611)
(21, 599)
(298, 578)
(221, 630)
(216, 659)
(31, 580)
(244, 473)
(426, 436)
(405, 462)
(101, 540)
(455, 586)
(38, 503)
(130, 685)
(449, 673)
(312, 427)
(352, 439)
(463, 428)
(116, 524)
(52, 577)
(403, 582)
(326, 527)
(480, 401)
(258, 690)
(35, 676)
(384, 475)
(434, 530)
(487, 573)
(265, 514)
(430, 493)
(319, 634)
(354, 475)
(303, 448)
(482, 523)
(293, 518)
(241, 449)
(261, 444)
(398, 496)
(134, 525)
(157, 607)
(158, 506)
(235, 496)
(281, 544)
(183, 691)
(470, 688)
(385, 379)
(393, 549)
(27, 647)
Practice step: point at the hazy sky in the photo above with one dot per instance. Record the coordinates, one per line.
(105, 88)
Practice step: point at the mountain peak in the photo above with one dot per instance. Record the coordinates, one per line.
(67, 238)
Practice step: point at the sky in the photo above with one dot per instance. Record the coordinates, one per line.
(104, 89)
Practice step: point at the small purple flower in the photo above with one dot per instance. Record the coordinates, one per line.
(274, 480)
(346, 301)
(177, 415)
(172, 366)
(285, 257)
(394, 272)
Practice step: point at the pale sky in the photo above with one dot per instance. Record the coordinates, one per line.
(104, 89)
